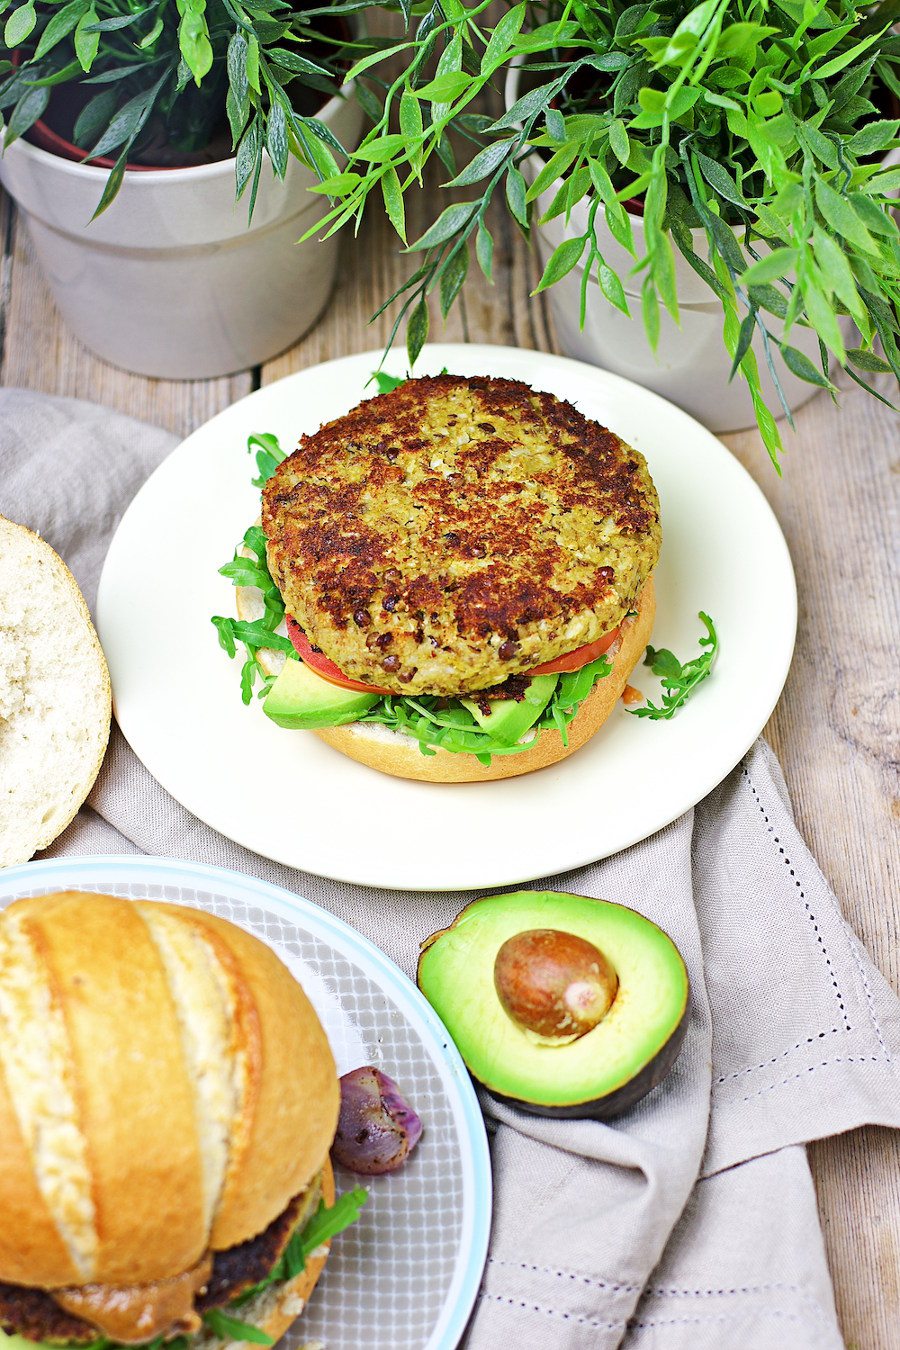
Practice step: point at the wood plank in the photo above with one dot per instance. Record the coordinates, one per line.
(40, 352)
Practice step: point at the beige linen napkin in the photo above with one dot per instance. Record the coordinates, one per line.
(691, 1220)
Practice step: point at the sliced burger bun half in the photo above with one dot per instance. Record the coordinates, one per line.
(55, 703)
(394, 753)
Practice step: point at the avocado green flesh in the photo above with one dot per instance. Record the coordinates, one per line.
(508, 719)
(301, 700)
(9, 1341)
(456, 975)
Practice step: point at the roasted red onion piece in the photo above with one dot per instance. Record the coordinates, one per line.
(377, 1127)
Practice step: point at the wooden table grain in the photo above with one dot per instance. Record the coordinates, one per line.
(836, 726)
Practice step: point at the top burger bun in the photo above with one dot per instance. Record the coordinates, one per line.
(165, 1090)
(54, 695)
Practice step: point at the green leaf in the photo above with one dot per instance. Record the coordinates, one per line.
(483, 164)
(294, 62)
(846, 58)
(393, 200)
(875, 138)
(869, 361)
(516, 195)
(86, 43)
(801, 366)
(612, 287)
(252, 65)
(113, 183)
(232, 1329)
(247, 156)
(193, 38)
(445, 88)
(453, 276)
(386, 383)
(59, 26)
(650, 313)
(560, 263)
(19, 25)
(618, 140)
(679, 680)
(771, 267)
(720, 180)
(411, 127)
(841, 216)
(451, 221)
(526, 107)
(276, 139)
(505, 32)
(484, 250)
(837, 272)
(94, 116)
(29, 108)
(417, 332)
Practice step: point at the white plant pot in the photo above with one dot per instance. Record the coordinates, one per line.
(690, 365)
(170, 281)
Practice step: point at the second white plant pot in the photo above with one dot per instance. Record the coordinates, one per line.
(691, 365)
(171, 281)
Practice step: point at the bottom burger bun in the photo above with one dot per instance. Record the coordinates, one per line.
(275, 1309)
(393, 753)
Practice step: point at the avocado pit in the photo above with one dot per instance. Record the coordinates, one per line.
(553, 984)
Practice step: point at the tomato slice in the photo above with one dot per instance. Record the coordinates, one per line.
(320, 663)
(582, 656)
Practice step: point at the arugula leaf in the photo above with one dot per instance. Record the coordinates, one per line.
(269, 455)
(322, 1227)
(439, 724)
(243, 571)
(386, 382)
(679, 680)
(231, 1329)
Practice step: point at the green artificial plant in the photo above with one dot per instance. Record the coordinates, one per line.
(751, 135)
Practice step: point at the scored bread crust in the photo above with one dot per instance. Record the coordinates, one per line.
(126, 1061)
(58, 736)
(392, 753)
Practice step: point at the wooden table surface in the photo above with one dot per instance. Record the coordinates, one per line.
(836, 726)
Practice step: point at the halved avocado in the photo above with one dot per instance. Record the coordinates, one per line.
(605, 1070)
(301, 700)
(508, 719)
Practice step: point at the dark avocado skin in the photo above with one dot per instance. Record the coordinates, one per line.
(618, 1097)
(613, 1103)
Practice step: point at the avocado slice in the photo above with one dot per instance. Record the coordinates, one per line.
(509, 719)
(605, 1070)
(301, 700)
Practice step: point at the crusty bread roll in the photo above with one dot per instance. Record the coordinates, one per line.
(391, 752)
(54, 695)
(166, 1089)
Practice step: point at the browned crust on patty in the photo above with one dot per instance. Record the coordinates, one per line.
(455, 531)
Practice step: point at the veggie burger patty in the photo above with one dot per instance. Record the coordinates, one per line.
(456, 531)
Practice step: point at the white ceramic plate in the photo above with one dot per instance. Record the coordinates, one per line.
(290, 797)
(406, 1274)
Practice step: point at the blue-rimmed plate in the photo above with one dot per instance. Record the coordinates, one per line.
(406, 1275)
